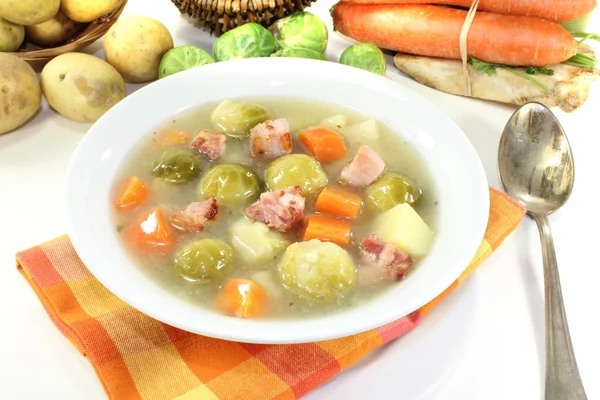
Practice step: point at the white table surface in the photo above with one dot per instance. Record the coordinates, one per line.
(505, 355)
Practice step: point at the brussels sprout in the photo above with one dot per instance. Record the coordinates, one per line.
(203, 260)
(299, 53)
(300, 30)
(245, 41)
(181, 58)
(231, 184)
(177, 166)
(390, 190)
(236, 119)
(316, 270)
(365, 56)
(296, 170)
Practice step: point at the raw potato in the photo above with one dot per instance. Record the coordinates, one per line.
(20, 93)
(81, 87)
(403, 227)
(11, 35)
(28, 12)
(52, 32)
(135, 45)
(88, 10)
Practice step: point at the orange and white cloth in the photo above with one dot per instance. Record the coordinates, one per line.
(137, 357)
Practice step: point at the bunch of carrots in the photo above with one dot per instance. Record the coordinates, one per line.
(509, 32)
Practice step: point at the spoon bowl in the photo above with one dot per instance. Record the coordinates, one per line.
(535, 160)
(536, 169)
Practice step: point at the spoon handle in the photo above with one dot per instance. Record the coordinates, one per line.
(562, 375)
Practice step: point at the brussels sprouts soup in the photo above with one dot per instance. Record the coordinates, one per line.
(275, 207)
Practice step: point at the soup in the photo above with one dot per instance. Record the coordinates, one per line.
(275, 207)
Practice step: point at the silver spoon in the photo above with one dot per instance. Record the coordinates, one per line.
(536, 169)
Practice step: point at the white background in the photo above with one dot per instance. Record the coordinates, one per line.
(504, 356)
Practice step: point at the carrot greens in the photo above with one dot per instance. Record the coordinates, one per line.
(490, 69)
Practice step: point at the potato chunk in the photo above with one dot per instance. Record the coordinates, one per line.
(402, 226)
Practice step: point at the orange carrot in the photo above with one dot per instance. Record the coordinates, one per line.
(327, 229)
(242, 298)
(151, 233)
(552, 10)
(171, 138)
(338, 202)
(324, 144)
(133, 193)
(434, 31)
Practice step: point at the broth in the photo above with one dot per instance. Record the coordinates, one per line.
(393, 149)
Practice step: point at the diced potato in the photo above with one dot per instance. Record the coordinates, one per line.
(268, 281)
(336, 121)
(364, 132)
(255, 243)
(402, 226)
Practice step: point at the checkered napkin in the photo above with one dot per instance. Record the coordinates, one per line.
(137, 357)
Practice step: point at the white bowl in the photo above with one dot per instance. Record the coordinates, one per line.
(456, 170)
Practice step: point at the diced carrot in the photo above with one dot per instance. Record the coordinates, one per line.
(338, 202)
(152, 232)
(171, 138)
(242, 298)
(325, 144)
(327, 229)
(133, 193)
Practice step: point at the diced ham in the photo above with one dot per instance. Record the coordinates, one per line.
(281, 210)
(271, 139)
(392, 262)
(195, 216)
(364, 169)
(211, 144)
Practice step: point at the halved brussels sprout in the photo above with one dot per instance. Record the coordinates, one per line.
(365, 56)
(245, 41)
(296, 170)
(390, 190)
(236, 119)
(177, 166)
(203, 260)
(300, 30)
(232, 185)
(318, 271)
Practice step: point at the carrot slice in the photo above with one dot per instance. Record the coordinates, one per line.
(338, 202)
(171, 138)
(325, 144)
(327, 229)
(151, 233)
(242, 298)
(133, 193)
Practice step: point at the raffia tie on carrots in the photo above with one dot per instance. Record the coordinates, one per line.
(464, 33)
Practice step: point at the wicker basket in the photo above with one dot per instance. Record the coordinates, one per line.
(92, 32)
(223, 15)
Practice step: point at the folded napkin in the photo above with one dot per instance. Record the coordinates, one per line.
(137, 357)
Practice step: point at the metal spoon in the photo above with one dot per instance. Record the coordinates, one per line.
(536, 169)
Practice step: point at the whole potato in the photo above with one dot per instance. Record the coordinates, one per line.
(11, 35)
(28, 12)
(20, 93)
(135, 45)
(81, 87)
(52, 32)
(88, 10)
